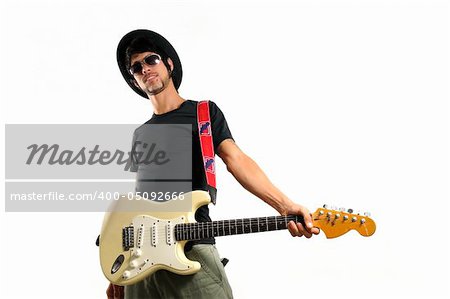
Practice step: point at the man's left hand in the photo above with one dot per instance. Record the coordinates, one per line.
(298, 229)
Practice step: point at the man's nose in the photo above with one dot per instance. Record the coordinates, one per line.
(145, 68)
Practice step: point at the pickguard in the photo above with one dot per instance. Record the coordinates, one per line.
(154, 245)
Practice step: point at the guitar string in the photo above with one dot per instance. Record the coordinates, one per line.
(195, 229)
(200, 228)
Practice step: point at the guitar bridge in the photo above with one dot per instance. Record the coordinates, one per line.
(127, 237)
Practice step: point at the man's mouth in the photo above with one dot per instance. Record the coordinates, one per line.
(149, 78)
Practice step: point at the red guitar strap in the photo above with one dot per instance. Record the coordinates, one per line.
(207, 147)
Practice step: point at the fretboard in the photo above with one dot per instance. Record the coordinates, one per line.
(205, 230)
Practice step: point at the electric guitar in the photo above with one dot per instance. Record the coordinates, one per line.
(134, 243)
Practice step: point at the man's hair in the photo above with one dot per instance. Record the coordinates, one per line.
(140, 45)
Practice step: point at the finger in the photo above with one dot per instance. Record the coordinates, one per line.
(293, 229)
(307, 218)
(303, 230)
(315, 230)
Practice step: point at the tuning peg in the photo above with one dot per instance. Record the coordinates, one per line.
(367, 214)
(350, 211)
(325, 206)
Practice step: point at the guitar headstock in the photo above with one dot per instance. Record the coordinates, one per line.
(335, 223)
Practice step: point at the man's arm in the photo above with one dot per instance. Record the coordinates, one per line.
(252, 178)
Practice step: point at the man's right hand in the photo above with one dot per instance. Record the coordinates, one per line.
(114, 291)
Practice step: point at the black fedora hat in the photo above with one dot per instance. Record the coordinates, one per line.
(160, 42)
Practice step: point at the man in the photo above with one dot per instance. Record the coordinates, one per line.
(152, 68)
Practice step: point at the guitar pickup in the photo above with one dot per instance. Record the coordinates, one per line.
(169, 234)
(127, 237)
(154, 234)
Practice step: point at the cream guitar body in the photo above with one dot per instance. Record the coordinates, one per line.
(136, 241)
(154, 247)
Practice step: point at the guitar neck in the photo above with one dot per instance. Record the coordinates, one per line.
(205, 230)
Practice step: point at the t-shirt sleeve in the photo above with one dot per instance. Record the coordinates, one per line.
(220, 129)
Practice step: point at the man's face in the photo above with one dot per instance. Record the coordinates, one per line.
(152, 79)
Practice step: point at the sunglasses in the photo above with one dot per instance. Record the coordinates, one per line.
(152, 59)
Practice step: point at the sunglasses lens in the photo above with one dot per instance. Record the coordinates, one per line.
(149, 60)
(136, 68)
(152, 59)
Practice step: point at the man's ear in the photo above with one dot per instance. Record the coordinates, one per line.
(170, 62)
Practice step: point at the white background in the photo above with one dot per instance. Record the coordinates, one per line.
(340, 102)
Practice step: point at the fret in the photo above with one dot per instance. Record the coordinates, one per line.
(239, 226)
(280, 224)
(262, 224)
(203, 230)
(223, 228)
(212, 229)
(217, 229)
(273, 223)
(217, 233)
(245, 226)
(254, 225)
(226, 227)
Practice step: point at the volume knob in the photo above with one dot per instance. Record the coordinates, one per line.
(126, 274)
(134, 264)
(138, 252)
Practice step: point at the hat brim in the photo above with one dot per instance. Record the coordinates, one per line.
(158, 40)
